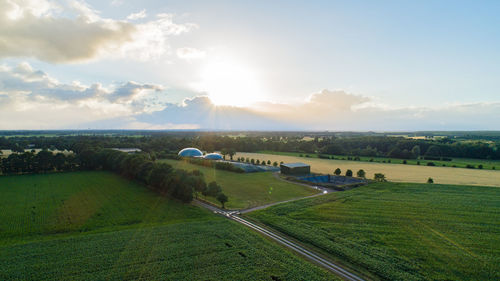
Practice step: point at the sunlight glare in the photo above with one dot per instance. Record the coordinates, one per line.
(230, 83)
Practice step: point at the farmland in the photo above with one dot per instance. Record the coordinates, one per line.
(454, 163)
(98, 226)
(247, 190)
(401, 231)
(394, 172)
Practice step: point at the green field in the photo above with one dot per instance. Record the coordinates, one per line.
(399, 231)
(455, 163)
(34, 206)
(247, 190)
(98, 226)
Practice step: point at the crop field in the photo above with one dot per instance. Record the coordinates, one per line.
(247, 190)
(6, 152)
(98, 226)
(215, 250)
(34, 206)
(400, 231)
(393, 172)
(455, 163)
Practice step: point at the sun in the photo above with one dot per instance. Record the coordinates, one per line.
(230, 83)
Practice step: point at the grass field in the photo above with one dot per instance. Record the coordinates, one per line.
(400, 231)
(247, 190)
(394, 172)
(455, 163)
(98, 226)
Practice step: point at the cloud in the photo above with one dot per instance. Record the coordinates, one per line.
(116, 3)
(138, 15)
(75, 32)
(31, 99)
(190, 53)
(335, 100)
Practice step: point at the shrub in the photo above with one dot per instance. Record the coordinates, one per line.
(430, 180)
(337, 171)
(418, 162)
(431, 164)
(469, 166)
(361, 173)
(480, 166)
(348, 173)
(431, 158)
(404, 161)
(379, 177)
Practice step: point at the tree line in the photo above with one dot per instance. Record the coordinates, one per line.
(373, 146)
(160, 177)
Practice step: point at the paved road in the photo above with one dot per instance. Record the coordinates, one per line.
(336, 269)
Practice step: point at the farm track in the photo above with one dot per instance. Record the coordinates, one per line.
(310, 255)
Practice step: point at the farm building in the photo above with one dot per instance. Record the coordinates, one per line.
(295, 169)
(128, 150)
(213, 156)
(190, 152)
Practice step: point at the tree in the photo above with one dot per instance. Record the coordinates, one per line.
(361, 173)
(222, 198)
(231, 153)
(257, 162)
(337, 171)
(416, 151)
(433, 151)
(268, 162)
(275, 164)
(263, 162)
(198, 182)
(224, 152)
(59, 161)
(44, 159)
(348, 173)
(252, 161)
(379, 177)
(430, 180)
(212, 189)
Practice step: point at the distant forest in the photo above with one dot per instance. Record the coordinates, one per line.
(158, 144)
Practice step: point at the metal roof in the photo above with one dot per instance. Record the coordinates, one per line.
(295, 165)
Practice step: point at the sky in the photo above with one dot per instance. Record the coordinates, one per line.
(250, 65)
